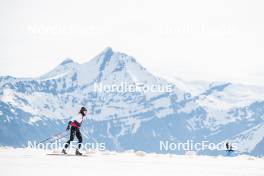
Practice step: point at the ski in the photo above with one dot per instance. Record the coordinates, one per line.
(62, 154)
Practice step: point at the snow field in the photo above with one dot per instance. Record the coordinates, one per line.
(27, 162)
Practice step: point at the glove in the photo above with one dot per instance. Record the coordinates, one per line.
(68, 128)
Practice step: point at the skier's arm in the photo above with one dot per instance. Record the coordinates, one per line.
(68, 127)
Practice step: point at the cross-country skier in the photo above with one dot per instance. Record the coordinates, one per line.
(229, 149)
(74, 125)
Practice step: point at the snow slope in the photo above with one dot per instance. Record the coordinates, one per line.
(27, 162)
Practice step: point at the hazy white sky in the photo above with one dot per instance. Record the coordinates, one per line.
(205, 39)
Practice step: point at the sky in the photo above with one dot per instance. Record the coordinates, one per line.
(209, 40)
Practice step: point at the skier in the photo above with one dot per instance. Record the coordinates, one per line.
(229, 149)
(74, 127)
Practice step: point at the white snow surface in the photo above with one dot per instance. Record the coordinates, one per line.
(27, 162)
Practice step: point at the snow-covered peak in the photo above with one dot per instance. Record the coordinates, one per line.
(66, 67)
(104, 56)
(107, 50)
(111, 67)
(108, 55)
(108, 66)
(67, 61)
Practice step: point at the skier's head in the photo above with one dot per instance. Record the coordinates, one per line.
(83, 111)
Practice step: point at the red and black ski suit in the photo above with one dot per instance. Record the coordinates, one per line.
(74, 125)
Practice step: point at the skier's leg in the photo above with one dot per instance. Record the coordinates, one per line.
(79, 137)
(73, 131)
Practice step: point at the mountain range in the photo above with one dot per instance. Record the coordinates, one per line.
(218, 112)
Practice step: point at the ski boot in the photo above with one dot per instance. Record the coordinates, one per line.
(64, 152)
(78, 152)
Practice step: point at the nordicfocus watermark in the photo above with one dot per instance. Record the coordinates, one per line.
(190, 145)
(136, 87)
(59, 145)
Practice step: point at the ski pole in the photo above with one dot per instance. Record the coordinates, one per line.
(59, 137)
(52, 137)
